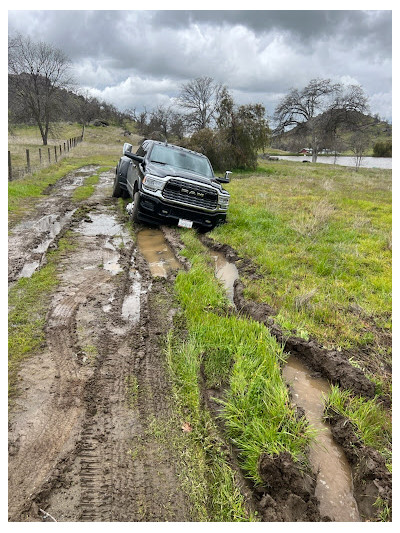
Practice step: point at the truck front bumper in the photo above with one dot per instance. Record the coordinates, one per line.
(153, 210)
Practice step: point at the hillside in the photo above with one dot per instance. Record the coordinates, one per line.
(376, 129)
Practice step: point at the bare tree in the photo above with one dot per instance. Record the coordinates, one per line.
(358, 144)
(318, 109)
(86, 108)
(200, 97)
(37, 72)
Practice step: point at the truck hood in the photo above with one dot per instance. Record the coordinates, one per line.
(162, 171)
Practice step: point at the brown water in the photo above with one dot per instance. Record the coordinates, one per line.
(155, 249)
(225, 272)
(334, 481)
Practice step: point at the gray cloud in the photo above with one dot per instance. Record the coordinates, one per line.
(134, 58)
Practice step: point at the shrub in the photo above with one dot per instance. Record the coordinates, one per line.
(383, 149)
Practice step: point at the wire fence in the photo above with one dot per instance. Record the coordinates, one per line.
(42, 157)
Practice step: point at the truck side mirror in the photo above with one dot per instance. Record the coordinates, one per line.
(225, 179)
(127, 148)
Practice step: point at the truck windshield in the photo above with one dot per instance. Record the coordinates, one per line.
(180, 159)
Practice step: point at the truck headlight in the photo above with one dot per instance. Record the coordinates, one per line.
(223, 201)
(152, 183)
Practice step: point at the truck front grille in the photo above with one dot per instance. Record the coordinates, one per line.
(190, 193)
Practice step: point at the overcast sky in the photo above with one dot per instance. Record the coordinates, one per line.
(140, 58)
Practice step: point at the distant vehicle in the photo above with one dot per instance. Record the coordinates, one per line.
(171, 185)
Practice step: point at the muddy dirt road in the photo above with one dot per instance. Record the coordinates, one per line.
(80, 449)
(83, 439)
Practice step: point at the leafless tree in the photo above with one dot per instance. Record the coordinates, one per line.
(318, 109)
(200, 97)
(37, 72)
(86, 108)
(358, 143)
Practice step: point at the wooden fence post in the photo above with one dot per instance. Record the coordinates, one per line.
(28, 161)
(64, 147)
(49, 155)
(55, 153)
(9, 166)
(40, 156)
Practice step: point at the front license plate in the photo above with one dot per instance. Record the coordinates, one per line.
(183, 223)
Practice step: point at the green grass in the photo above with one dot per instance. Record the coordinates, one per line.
(88, 187)
(371, 419)
(321, 239)
(203, 468)
(241, 355)
(29, 299)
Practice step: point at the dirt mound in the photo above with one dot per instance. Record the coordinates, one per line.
(288, 492)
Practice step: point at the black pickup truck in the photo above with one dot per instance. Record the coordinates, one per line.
(171, 185)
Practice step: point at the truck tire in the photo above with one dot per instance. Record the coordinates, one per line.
(117, 191)
(134, 216)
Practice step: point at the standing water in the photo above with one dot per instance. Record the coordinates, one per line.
(154, 248)
(334, 480)
(226, 272)
(334, 488)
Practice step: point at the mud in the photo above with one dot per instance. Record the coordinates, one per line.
(81, 444)
(30, 239)
(332, 486)
(334, 483)
(288, 493)
(226, 272)
(370, 475)
(154, 248)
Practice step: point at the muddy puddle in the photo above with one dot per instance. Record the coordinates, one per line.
(155, 249)
(334, 481)
(103, 224)
(43, 233)
(226, 272)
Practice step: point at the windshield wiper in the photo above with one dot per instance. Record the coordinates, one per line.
(159, 162)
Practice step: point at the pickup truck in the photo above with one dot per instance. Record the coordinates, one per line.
(171, 185)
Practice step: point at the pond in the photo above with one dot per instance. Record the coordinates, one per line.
(347, 161)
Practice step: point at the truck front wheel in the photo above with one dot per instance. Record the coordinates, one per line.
(117, 191)
(135, 208)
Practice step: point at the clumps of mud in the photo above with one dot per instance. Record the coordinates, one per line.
(288, 493)
(371, 479)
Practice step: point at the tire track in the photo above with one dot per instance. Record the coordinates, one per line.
(47, 437)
